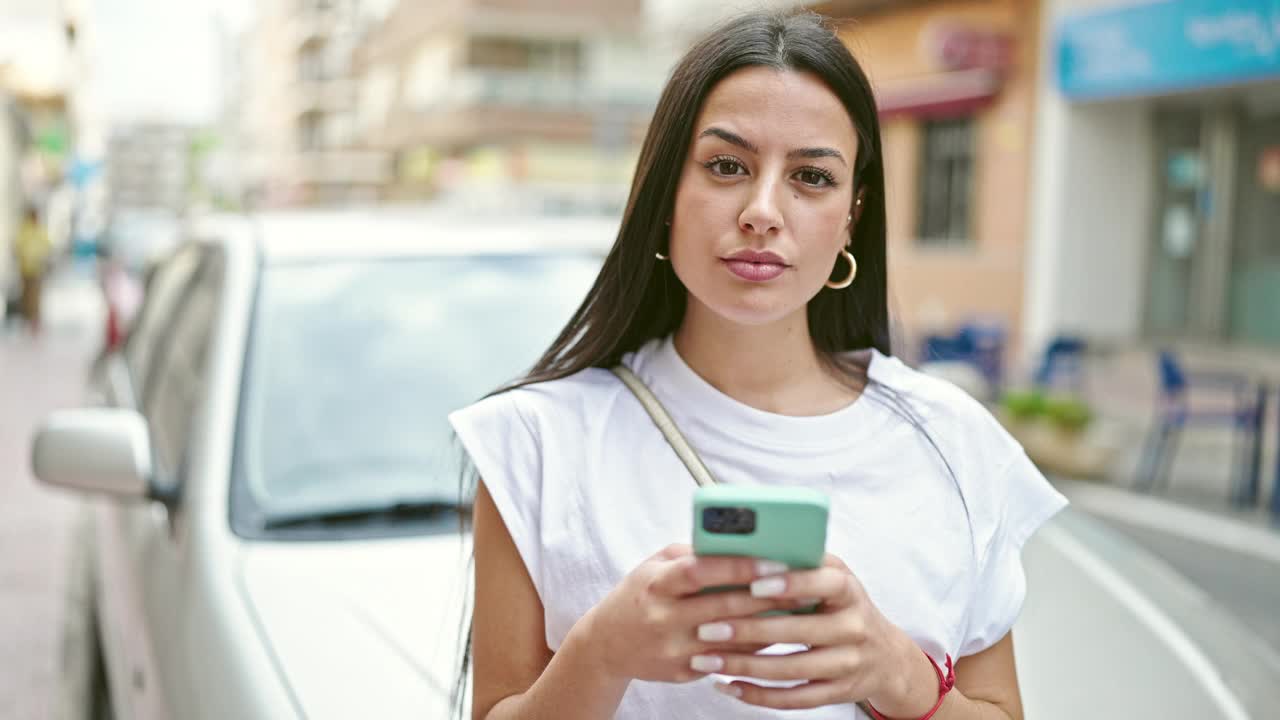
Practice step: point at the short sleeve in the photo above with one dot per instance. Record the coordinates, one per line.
(1028, 501)
(507, 455)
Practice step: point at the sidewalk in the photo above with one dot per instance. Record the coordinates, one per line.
(1245, 532)
(38, 375)
(1121, 385)
(1231, 553)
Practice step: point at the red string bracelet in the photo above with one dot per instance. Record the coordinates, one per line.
(945, 683)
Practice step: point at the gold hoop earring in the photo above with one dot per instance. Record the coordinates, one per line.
(853, 272)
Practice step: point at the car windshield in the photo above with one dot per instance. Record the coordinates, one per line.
(354, 366)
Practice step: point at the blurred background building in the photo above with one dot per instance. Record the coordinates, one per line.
(956, 83)
(1157, 181)
(150, 166)
(541, 103)
(298, 95)
(487, 104)
(1104, 169)
(48, 130)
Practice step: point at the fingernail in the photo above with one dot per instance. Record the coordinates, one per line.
(706, 663)
(730, 690)
(715, 632)
(768, 587)
(769, 567)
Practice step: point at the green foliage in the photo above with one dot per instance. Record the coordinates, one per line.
(1023, 405)
(1064, 412)
(1068, 413)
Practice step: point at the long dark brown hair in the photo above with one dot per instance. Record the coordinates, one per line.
(636, 299)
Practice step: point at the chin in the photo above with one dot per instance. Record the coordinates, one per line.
(752, 308)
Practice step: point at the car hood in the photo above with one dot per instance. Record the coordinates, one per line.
(362, 628)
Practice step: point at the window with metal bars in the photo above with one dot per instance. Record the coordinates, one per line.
(946, 182)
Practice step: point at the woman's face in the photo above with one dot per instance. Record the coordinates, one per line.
(762, 209)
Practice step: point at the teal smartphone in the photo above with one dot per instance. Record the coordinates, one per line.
(784, 524)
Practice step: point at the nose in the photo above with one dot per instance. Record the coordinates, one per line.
(762, 213)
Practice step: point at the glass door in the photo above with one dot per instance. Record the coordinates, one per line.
(1254, 290)
(1179, 223)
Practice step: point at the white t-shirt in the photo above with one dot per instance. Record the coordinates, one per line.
(588, 489)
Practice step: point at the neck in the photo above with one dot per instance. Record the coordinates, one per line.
(772, 367)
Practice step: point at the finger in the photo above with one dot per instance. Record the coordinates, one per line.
(811, 630)
(809, 695)
(818, 664)
(730, 648)
(835, 588)
(676, 550)
(688, 574)
(832, 561)
(701, 609)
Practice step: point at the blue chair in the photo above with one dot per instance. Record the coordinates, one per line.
(978, 344)
(1062, 365)
(947, 348)
(1243, 414)
(988, 339)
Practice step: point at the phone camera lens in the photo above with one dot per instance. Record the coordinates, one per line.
(729, 520)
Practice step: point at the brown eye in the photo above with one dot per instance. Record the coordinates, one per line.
(725, 167)
(814, 178)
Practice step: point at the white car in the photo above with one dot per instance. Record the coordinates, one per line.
(274, 532)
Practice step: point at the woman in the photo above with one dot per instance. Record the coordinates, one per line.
(32, 249)
(747, 290)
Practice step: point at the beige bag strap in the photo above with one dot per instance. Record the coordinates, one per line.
(700, 473)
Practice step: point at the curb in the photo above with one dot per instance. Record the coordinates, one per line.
(1169, 517)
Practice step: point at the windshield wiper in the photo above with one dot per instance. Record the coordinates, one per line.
(386, 513)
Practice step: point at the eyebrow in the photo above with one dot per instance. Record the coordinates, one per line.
(816, 152)
(736, 139)
(731, 138)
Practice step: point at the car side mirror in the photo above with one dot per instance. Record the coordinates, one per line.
(101, 450)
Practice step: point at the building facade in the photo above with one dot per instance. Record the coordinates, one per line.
(299, 105)
(149, 166)
(1157, 178)
(504, 104)
(956, 86)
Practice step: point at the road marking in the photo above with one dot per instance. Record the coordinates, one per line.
(1174, 519)
(1156, 620)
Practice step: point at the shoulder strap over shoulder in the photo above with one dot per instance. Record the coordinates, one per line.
(697, 469)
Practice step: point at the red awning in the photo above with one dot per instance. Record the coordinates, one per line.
(943, 94)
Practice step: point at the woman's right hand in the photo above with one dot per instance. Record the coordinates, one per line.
(647, 627)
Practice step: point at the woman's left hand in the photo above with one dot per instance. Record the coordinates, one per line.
(855, 653)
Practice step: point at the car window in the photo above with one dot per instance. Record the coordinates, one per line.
(354, 366)
(171, 397)
(165, 288)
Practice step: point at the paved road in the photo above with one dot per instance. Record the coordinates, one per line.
(36, 376)
(1248, 586)
(1232, 556)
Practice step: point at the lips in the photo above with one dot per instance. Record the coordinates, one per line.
(756, 265)
(764, 257)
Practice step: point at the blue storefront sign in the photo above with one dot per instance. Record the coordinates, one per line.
(1167, 46)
